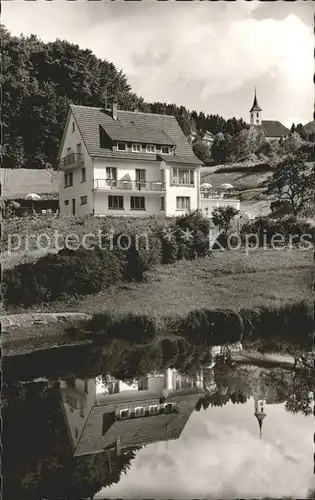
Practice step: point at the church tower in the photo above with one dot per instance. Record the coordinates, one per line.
(259, 412)
(255, 112)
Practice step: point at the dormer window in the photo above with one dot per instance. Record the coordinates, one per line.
(124, 413)
(153, 410)
(165, 150)
(136, 148)
(150, 148)
(139, 411)
(168, 407)
(121, 146)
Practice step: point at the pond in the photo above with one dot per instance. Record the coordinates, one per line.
(229, 431)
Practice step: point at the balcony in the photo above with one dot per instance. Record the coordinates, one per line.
(126, 185)
(72, 160)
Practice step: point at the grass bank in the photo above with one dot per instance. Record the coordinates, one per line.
(224, 280)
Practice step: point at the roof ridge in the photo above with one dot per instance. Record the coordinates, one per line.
(144, 113)
(121, 110)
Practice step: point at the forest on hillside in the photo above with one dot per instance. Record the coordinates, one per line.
(40, 79)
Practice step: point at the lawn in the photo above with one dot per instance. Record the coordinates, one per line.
(230, 279)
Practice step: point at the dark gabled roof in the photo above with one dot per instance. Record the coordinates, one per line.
(17, 183)
(272, 128)
(135, 431)
(181, 159)
(131, 133)
(89, 120)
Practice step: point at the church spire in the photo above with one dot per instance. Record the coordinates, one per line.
(259, 414)
(255, 112)
(255, 106)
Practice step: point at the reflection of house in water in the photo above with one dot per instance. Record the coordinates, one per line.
(128, 414)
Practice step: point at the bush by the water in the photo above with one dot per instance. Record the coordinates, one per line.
(70, 272)
(106, 327)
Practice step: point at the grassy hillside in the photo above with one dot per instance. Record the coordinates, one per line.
(241, 180)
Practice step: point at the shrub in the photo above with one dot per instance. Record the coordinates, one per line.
(266, 229)
(71, 272)
(105, 327)
(290, 324)
(170, 248)
(21, 285)
(212, 327)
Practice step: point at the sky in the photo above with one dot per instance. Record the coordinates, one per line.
(220, 455)
(207, 56)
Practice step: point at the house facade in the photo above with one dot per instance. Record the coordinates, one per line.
(123, 163)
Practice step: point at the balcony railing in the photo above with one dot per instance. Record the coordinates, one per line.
(73, 159)
(129, 185)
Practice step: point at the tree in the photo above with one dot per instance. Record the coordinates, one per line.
(295, 387)
(293, 180)
(202, 151)
(220, 149)
(223, 216)
(292, 143)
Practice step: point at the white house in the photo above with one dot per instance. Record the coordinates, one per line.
(114, 162)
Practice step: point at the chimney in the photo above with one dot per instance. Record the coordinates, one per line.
(118, 446)
(114, 109)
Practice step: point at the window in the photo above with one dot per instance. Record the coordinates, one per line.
(124, 413)
(76, 433)
(162, 203)
(68, 179)
(257, 114)
(115, 202)
(73, 127)
(137, 203)
(83, 174)
(66, 202)
(182, 203)
(136, 148)
(83, 200)
(168, 407)
(165, 150)
(153, 409)
(183, 176)
(150, 148)
(139, 411)
(111, 176)
(143, 384)
(140, 177)
(121, 146)
(81, 409)
(86, 390)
